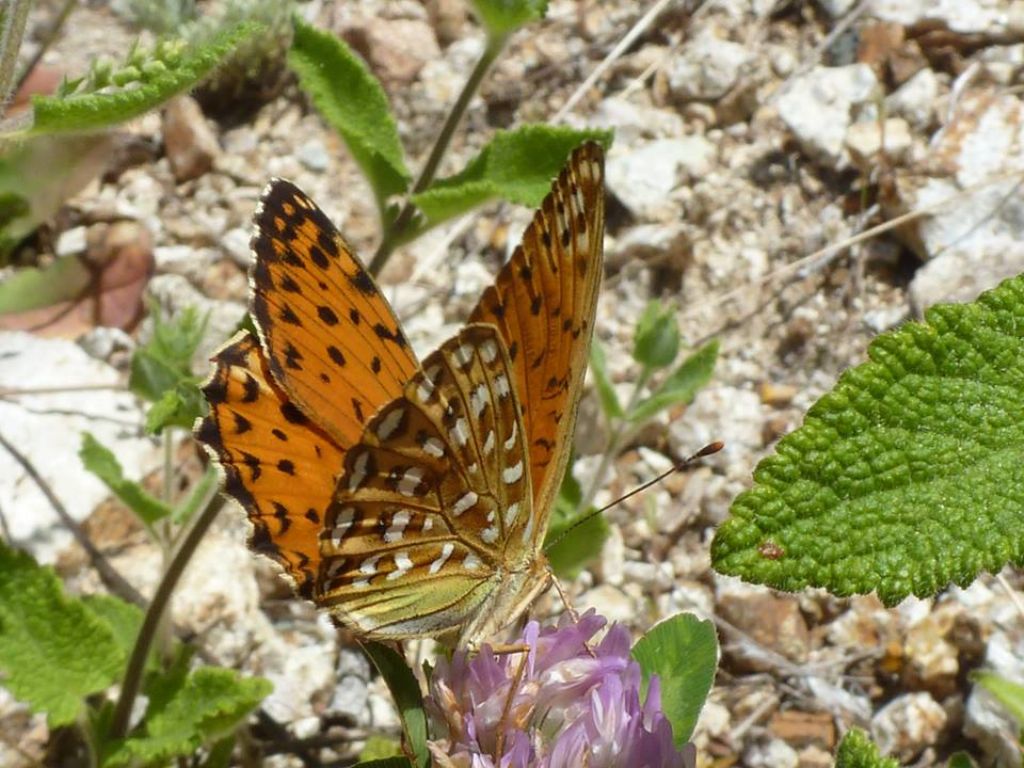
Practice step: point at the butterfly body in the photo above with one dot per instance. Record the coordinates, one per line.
(409, 499)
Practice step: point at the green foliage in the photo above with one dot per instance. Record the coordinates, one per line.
(54, 651)
(683, 652)
(1008, 693)
(386, 762)
(405, 690)
(680, 386)
(379, 748)
(162, 371)
(907, 475)
(960, 760)
(104, 464)
(503, 17)
(569, 551)
(108, 95)
(187, 710)
(656, 339)
(605, 391)
(354, 104)
(515, 165)
(124, 619)
(856, 750)
(37, 175)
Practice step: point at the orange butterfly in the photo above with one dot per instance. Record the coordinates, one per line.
(408, 499)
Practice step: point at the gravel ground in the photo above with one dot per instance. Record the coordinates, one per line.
(753, 140)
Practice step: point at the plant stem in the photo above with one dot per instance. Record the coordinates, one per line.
(12, 31)
(398, 229)
(615, 442)
(44, 45)
(137, 663)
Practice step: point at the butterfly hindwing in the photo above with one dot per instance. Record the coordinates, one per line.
(278, 465)
(433, 508)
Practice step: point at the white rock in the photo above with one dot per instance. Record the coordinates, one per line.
(836, 8)
(47, 429)
(71, 241)
(907, 725)
(773, 754)
(235, 243)
(313, 155)
(963, 16)
(644, 178)
(915, 99)
(867, 140)
(611, 602)
(978, 240)
(632, 121)
(708, 67)
(819, 107)
(702, 423)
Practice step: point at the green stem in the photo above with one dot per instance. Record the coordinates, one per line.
(615, 443)
(398, 231)
(150, 625)
(44, 45)
(12, 31)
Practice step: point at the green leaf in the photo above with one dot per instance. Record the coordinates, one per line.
(503, 17)
(124, 619)
(656, 339)
(353, 103)
(515, 165)
(37, 175)
(856, 750)
(1009, 694)
(379, 748)
(53, 650)
(960, 760)
(570, 555)
(681, 386)
(179, 407)
(186, 712)
(166, 360)
(605, 391)
(907, 475)
(145, 81)
(386, 762)
(102, 462)
(683, 652)
(405, 690)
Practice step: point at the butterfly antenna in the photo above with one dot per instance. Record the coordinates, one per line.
(707, 450)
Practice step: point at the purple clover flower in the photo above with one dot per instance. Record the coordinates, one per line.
(571, 705)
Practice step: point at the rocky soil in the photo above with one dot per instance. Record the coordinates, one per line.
(756, 141)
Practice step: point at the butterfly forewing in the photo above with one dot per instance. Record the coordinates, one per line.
(332, 340)
(278, 465)
(433, 508)
(543, 303)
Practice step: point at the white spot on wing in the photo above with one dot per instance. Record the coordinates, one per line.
(426, 387)
(428, 523)
(489, 442)
(368, 568)
(467, 500)
(478, 400)
(489, 535)
(489, 351)
(410, 481)
(402, 566)
(511, 438)
(433, 447)
(512, 474)
(464, 355)
(398, 523)
(459, 434)
(358, 476)
(511, 513)
(342, 523)
(389, 423)
(446, 552)
(471, 562)
(501, 385)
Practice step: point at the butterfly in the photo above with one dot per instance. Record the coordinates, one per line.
(408, 499)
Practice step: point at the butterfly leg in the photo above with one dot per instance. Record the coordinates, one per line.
(565, 598)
